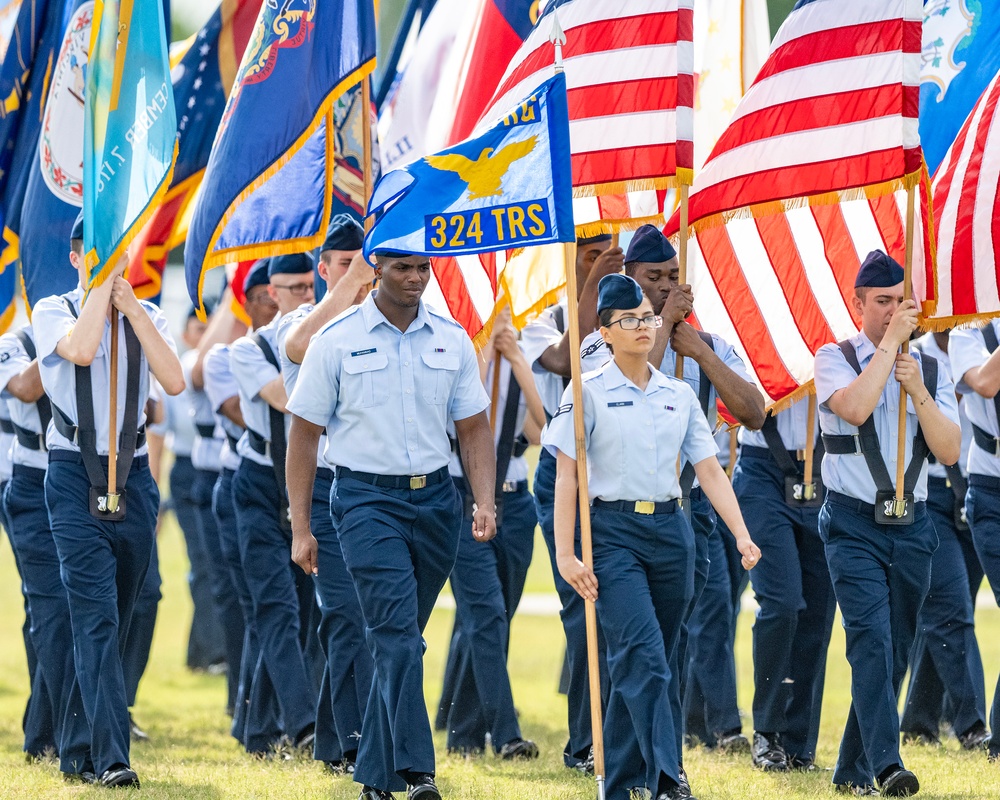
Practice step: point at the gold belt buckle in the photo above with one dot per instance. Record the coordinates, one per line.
(645, 507)
(418, 481)
(509, 487)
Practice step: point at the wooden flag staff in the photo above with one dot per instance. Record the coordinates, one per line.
(558, 39)
(808, 485)
(899, 506)
(682, 260)
(113, 495)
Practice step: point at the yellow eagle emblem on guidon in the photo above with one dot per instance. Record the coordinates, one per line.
(485, 174)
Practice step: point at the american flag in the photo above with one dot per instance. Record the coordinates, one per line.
(806, 180)
(630, 75)
(967, 217)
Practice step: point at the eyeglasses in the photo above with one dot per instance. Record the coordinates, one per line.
(297, 289)
(633, 323)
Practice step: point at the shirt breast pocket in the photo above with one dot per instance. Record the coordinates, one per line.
(366, 380)
(439, 376)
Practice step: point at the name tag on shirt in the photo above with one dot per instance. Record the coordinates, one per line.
(621, 404)
(364, 352)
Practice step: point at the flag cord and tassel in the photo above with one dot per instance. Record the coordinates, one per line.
(558, 39)
(899, 506)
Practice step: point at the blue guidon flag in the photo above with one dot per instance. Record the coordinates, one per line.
(508, 187)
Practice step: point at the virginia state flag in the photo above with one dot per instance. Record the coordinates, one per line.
(961, 54)
(268, 188)
(507, 188)
(130, 134)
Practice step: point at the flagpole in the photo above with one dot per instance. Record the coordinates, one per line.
(366, 108)
(807, 478)
(733, 443)
(900, 508)
(113, 412)
(495, 392)
(682, 259)
(558, 38)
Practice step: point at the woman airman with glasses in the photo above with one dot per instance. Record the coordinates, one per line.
(638, 422)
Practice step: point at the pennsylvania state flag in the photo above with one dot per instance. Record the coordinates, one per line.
(130, 128)
(268, 188)
(508, 188)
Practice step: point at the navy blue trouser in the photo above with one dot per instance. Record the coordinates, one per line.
(791, 634)
(644, 567)
(880, 574)
(103, 566)
(255, 716)
(348, 668)
(205, 640)
(945, 656)
(487, 582)
(224, 596)
(982, 508)
(400, 546)
(709, 700)
(140, 632)
(51, 633)
(266, 554)
(573, 616)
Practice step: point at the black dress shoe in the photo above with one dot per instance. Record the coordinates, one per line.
(306, 738)
(678, 792)
(423, 788)
(901, 783)
(119, 776)
(79, 777)
(586, 765)
(921, 739)
(137, 733)
(733, 742)
(343, 767)
(975, 738)
(857, 791)
(768, 754)
(519, 749)
(371, 793)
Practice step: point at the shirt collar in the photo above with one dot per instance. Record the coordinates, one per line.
(373, 316)
(615, 379)
(864, 346)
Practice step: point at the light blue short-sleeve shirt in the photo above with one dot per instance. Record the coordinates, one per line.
(967, 349)
(220, 385)
(538, 336)
(928, 344)
(253, 372)
(791, 425)
(848, 474)
(51, 320)
(385, 396)
(14, 359)
(633, 436)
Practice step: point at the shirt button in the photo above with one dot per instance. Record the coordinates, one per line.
(413, 447)
(408, 391)
(652, 472)
(406, 363)
(409, 419)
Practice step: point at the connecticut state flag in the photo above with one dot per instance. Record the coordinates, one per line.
(507, 188)
(268, 187)
(130, 130)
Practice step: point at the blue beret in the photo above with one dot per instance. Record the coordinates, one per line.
(649, 246)
(618, 291)
(588, 240)
(77, 232)
(292, 264)
(344, 233)
(879, 270)
(257, 276)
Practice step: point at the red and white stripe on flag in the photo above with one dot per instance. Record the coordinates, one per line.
(630, 76)
(806, 181)
(779, 287)
(831, 115)
(967, 219)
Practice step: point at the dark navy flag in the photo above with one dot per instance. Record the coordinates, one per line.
(961, 54)
(507, 188)
(268, 188)
(54, 194)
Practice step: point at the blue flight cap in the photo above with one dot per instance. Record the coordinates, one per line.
(618, 291)
(879, 270)
(292, 264)
(77, 232)
(344, 233)
(649, 246)
(589, 240)
(257, 276)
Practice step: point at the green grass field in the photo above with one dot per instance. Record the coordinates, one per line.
(192, 756)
